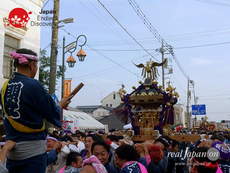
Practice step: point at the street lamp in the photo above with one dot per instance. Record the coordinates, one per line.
(68, 20)
(71, 60)
(54, 47)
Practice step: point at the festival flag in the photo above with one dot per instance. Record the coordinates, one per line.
(67, 87)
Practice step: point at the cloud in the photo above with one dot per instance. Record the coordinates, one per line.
(201, 61)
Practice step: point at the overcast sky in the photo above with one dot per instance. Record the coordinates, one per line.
(198, 30)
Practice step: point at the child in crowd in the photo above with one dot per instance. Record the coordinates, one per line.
(73, 163)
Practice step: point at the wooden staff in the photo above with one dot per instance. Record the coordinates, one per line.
(75, 91)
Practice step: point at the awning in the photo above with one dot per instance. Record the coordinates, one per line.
(84, 121)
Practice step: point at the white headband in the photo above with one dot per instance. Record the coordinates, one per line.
(49, 137)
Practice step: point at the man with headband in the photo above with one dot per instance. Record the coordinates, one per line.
(25, 105)
(202, 164)
(58, 152)
(224, 155)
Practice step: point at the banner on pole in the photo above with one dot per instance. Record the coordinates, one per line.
(65, 125)
(67, 87)
(106, 129)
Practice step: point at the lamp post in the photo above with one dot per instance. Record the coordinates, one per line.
(71, 61)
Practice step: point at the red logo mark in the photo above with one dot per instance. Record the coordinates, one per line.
(18, 17)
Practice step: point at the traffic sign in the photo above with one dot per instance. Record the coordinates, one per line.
(55, 98)
(198, 110)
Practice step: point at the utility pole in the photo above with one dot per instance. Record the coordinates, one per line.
(163, 72)
(54, 46)
(195, 101)
(188, 119)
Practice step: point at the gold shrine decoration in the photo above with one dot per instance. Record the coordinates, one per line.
(150, 69)
(122, 91)
(67, 87)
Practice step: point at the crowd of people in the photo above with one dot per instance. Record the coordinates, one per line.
(27, 147)
(96, 152)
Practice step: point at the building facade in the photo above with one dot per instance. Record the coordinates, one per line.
(13, 38)
(96, 111)
(101, 112)
(180, 115)
(112, 100)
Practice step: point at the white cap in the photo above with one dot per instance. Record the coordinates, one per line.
(128, 126)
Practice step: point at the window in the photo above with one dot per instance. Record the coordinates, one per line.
(103, 113)
(99, 114)
(10, 44)
(107, 105)
(177, 116)
(114, 96)
(110, 105)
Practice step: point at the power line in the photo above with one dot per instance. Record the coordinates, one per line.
(46, 47)
(117, 33)
(214, 95)
(217, 112)
(76, 76)
(224, 98)
(113, 30)
(180, 99)
(179, 84)
(45, 4)
(214, 3)
(194, 33)
(126, 31)
(151, 41)
(215, 44)
(177, 37)
(105, 71)
(86, 82)
(205, 45)
(155, 33)
(120, 50)
(103, 55)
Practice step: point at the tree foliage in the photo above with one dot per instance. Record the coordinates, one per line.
(44, 70)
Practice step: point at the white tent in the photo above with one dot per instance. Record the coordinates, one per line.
(82, 120)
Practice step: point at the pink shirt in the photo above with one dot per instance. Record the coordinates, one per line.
(219, 170)
(143, 169)
(148, 159)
